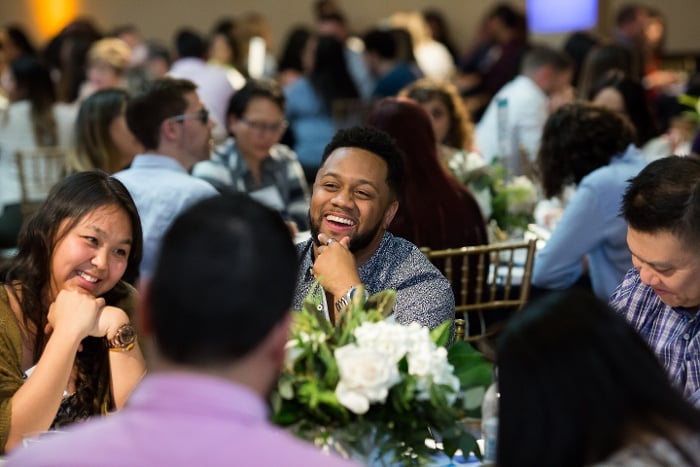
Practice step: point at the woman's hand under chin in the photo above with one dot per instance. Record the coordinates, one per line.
(75, 314)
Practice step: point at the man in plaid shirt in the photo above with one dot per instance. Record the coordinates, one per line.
(660, 297)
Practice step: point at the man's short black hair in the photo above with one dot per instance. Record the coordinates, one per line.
(159, 100)
(224, 278)
(189, 43)
(382, 42)
(665, 196)
(377, 142)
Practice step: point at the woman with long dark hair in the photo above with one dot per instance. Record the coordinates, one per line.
(102, 139)
(67, 348)
(435, 210)
(310, 100)
(33, 119)
(622, 94)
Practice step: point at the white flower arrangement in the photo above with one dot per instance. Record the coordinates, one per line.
(369, 367)
(371, 385)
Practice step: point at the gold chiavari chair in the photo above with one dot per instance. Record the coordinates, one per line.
(491, 277)
(39, 169)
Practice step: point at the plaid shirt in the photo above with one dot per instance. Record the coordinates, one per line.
(227, 170)
(673, 333)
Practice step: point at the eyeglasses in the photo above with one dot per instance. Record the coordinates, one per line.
(202, 116)
(263, 127)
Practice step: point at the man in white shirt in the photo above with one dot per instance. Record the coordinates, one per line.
(511, 127)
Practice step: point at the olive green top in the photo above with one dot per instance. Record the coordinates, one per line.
(11, 374)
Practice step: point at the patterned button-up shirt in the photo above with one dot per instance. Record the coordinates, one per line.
(422, 292)
(673, 333)
(280, 172)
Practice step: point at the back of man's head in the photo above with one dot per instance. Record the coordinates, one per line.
(665, 197)
(159, 100)
(627, 14)
(223, 281)
(376, 141)
(381, 42)
(540, 56)
(507, 14)
(188, 43)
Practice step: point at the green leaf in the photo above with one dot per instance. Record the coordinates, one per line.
(441, 335)
(472, 397)
(383, 302)
(285, 388)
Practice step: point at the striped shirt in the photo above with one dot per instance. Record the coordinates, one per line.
(673, 333)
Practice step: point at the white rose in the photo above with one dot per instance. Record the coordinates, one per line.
(366, 375)
(474, 162)
(430, 365)
(420, 361)
(390, 338)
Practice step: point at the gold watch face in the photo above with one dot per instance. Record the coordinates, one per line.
(127, 335)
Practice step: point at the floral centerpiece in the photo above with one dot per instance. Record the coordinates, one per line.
(375, 390)
(507, 202)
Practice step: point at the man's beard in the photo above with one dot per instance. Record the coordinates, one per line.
(357, 242)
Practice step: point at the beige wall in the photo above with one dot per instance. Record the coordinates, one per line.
(158, 19)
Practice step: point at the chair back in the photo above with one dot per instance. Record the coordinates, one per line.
(39, 170)
(501, 280)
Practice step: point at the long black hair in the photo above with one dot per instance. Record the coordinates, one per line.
(577, 382)
(28, 274)
(330, 77)
(71, 199)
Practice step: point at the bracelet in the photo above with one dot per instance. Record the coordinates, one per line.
(345, 300)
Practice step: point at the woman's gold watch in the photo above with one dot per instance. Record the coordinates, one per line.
(124, 340)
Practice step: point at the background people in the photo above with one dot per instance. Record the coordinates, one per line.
(102, 138)
(593, 148)
(33, 119)
(174, 127)
(251, 160)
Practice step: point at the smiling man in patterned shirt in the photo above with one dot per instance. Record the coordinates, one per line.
(353, 202)
(660, 297)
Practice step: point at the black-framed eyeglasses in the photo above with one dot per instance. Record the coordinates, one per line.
(263, 127)
(202, 116)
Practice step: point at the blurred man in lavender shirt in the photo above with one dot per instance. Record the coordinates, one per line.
(216, 314)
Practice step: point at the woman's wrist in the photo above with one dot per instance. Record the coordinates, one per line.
(111, 320)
